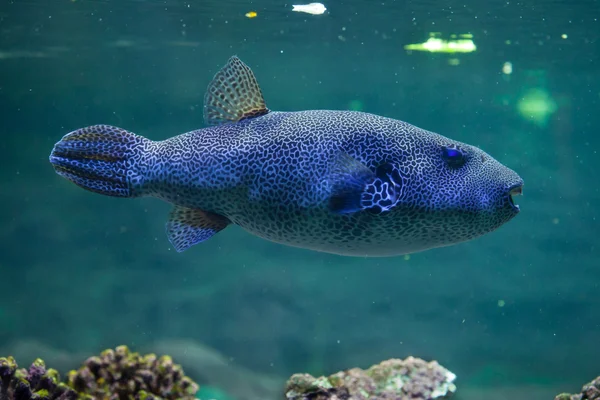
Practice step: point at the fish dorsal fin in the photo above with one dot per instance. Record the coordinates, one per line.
(233, 95)
(189, 226)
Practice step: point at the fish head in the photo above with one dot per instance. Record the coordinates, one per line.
(459, 190)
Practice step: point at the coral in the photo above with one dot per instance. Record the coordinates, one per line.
(36, 383)
(116, 375)
(589, 391)
(410, 379)
(124, 375)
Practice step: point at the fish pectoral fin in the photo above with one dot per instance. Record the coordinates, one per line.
(189, 226)
(233, 95)
(348, 178)
(354, 187)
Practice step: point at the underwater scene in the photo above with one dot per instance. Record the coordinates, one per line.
(265, 199)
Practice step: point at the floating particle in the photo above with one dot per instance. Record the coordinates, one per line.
(507, 68)
(251, 14)
(564, 36)
(311, 8)
(453, 61)
(501, 303)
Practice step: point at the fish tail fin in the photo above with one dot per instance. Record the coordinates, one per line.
(102, 159)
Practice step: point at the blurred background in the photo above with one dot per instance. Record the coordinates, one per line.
(514, 313)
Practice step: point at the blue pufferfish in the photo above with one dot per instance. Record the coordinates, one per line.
(343, 182)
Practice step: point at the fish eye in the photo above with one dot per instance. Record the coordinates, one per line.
(454, 156)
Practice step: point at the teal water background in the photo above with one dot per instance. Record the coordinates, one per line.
(515, 314)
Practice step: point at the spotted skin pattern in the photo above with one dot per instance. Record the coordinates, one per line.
(342, 182)
(384, 191)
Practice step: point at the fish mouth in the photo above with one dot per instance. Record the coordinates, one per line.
(515, 190)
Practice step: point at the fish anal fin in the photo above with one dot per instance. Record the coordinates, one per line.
(189, 226)
(233, 95)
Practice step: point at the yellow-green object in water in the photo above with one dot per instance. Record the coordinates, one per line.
(537, 105)
(355, 105)
(462, 44)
